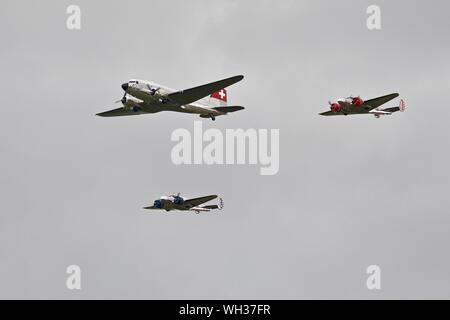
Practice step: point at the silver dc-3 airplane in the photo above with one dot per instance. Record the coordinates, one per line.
(356, 105)
(142, 97)
(176, 202)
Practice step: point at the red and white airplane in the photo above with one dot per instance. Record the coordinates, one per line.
(356, 105)
(142, 97)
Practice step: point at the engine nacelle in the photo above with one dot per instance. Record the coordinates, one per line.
(335, 107)
(158, 204)
(154, 91)
(178, 200)
(130, 103)
(357, 101)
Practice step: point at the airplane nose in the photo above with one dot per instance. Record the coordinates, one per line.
(125, 86)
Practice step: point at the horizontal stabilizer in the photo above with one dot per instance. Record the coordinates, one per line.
(393, 109)
(228, 109)
(219, 205)
(212, 207)
(401, 107)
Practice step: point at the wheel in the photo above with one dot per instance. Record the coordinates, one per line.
(135, 109)
(213, 118)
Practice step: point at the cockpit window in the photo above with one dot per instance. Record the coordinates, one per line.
(134, 81)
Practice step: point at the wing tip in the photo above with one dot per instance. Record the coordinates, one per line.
(102, 114)
(237, 78)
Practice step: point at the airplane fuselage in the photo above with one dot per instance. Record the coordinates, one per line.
(167, 203)
(175, 202)
(356, 105)
(153, 99)
(350, 108)
(143, 97)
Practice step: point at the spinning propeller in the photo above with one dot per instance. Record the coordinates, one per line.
(153, 91)
(123, 100)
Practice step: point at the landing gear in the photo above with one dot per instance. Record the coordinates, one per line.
(136, 109)
(213, 118)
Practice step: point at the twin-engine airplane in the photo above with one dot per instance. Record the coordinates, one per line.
(175, 202)
(356, 105)
(141, 97)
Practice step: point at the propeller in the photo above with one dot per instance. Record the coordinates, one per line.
(123, 100)
(177, 199)
(153, 91)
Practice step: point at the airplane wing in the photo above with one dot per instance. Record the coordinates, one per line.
(191, 95)
(375, 103)
(330, 113)
(198, 201)
(152, 208)
(119, 112)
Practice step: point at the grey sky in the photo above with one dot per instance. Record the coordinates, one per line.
(350, 192)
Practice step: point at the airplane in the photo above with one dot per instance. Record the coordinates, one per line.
(142, 97)
(176, 202)
(356, 105)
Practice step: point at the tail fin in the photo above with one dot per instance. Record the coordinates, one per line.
(219, 98)
(219, 205)
(401, 107)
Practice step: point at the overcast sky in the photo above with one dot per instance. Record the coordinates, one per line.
(351, 191)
